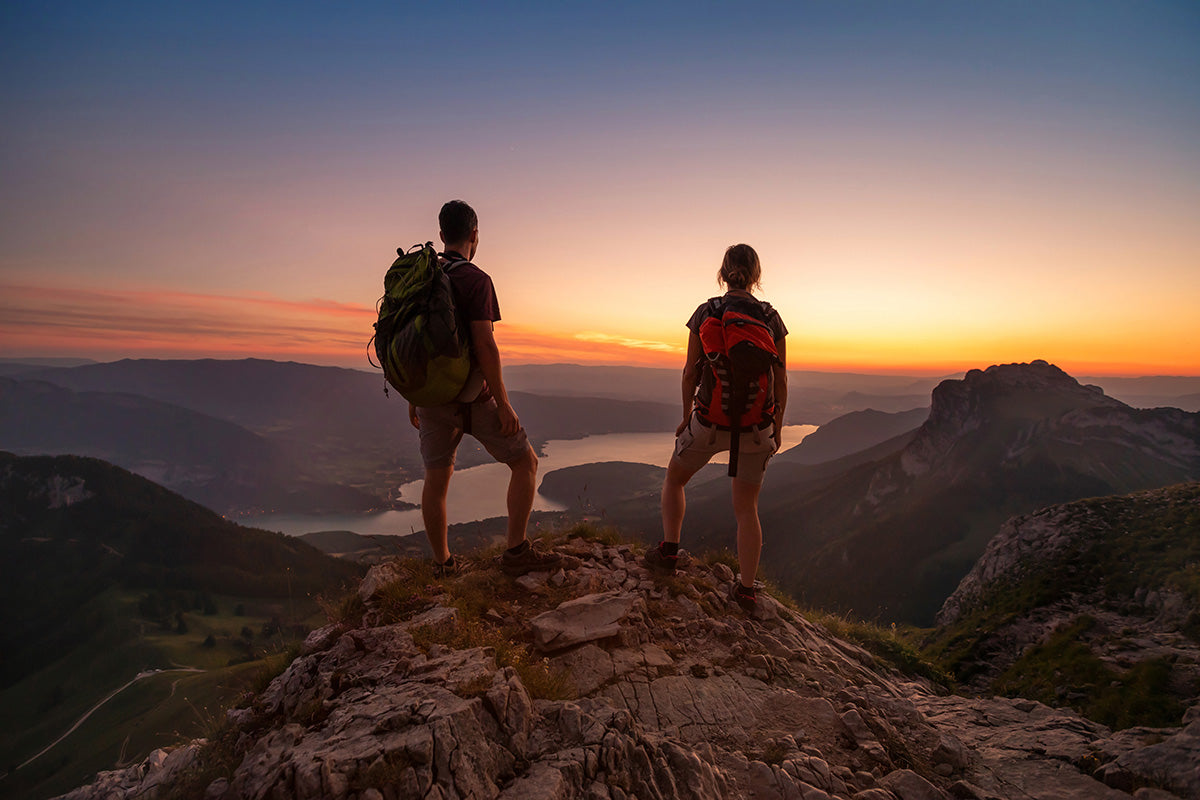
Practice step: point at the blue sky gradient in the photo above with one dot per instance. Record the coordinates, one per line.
(888, 159)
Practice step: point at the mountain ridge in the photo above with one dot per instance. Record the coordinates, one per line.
(209, 460)
(71, 525)
(324, 438)
(1001, 441)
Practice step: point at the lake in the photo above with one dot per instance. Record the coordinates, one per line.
(478, 492)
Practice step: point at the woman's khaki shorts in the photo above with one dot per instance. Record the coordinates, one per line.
(442, 429)
(698, 443)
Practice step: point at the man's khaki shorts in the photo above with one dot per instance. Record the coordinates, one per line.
(442, 429)
(698, 443)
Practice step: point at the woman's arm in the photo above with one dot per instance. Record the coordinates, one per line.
(691, 378)
(781, 394)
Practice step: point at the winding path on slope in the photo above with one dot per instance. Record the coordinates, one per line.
(140, 676)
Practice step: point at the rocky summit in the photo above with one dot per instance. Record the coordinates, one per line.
(602, 682)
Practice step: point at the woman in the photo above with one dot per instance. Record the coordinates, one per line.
(708, 411)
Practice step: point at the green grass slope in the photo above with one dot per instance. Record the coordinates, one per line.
(1119, 550)
(108, 575)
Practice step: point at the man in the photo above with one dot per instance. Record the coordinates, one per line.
(481, 409)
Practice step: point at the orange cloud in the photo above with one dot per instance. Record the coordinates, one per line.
(104, 324)
(523, 345)
(108, 324)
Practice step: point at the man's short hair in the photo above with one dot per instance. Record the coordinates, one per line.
(457, 221)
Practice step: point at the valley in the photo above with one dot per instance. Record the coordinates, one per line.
(172, 613)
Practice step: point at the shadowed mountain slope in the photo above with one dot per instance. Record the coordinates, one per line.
(71, 528)
(311, 438)
(212, 461)
(118, 592)
(852, 433)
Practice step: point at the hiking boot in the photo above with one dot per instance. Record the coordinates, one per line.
(446, 570)
(528, 560)
(745, 597)
(659, 562)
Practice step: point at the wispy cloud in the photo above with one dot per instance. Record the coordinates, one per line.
(528, 345)
(113, 323)
(625, 342)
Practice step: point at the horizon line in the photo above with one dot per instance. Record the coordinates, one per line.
(855, 369)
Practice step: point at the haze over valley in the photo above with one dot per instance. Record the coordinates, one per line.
(880, 511)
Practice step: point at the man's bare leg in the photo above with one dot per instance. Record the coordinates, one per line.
(522, 484)
(433, 510)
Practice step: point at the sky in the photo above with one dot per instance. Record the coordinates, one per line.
(931, 186)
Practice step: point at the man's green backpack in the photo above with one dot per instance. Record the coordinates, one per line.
(418, 341)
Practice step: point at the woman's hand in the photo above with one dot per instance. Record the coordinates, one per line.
(683, 425)
(412, 416)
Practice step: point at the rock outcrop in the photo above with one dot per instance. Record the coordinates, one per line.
(1059, 536)
(600, 682)
(962, 407)
(1114, 572)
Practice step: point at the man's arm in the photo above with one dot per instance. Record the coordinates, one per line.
(781, 395)
(690, 380)
(487, 354)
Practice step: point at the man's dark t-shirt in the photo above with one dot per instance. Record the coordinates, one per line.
(475, 300)
(474, 293)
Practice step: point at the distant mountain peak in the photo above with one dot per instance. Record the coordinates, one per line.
(983, 389)
(1026, 394)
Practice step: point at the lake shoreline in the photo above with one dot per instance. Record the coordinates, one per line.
(477, 493)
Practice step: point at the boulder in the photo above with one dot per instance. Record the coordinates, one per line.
(584, 619)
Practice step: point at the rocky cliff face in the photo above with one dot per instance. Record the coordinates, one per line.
(1060, 535)
(1118, 571)
(984, 399)
(601, 682)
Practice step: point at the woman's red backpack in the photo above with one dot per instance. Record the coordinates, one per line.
(736, 389)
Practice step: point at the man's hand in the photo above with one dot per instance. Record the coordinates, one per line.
(509, 424)
(778, 437)
(683, 425)
(412, 416)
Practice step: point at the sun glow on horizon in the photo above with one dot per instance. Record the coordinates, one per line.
(109, 324)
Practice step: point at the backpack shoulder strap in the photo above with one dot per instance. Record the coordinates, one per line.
(752, 306)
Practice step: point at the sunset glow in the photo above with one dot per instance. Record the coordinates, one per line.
(931, 188)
